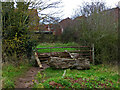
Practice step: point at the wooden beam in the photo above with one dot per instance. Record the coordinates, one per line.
(38, 61)
(64, 47)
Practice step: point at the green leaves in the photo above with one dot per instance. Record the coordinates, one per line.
(9, 84)
(10, 72)
(76, 85)
(96, 77)
(16, 35)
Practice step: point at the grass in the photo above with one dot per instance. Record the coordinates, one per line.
(47, 45)
(11, 72)
(99, 76)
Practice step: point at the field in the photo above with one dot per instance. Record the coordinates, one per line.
(98, 76)
(47, 45)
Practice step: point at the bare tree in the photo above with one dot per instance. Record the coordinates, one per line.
(99, 27)
(48, 10)
(53, 8)
(89, 8)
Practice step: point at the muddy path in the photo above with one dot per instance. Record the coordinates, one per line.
(25, 81)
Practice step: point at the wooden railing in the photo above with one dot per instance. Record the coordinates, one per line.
(84, 51)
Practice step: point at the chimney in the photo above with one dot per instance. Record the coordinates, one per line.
(119, 4)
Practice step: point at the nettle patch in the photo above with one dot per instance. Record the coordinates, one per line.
(96, 77)
(68, 82)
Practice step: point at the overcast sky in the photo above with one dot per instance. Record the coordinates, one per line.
(70, 5)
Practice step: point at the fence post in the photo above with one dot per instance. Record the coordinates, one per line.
(93, 54)
(1, 45)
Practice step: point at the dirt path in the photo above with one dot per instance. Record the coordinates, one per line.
(26, 80)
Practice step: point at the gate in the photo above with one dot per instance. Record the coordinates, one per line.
(84, 51)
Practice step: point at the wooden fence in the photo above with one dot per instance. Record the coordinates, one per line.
(84, 51)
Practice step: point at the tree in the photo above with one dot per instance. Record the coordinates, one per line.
(16, 34)
(93, 24)
(15, 30)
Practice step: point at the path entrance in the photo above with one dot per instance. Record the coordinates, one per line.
(25, 81)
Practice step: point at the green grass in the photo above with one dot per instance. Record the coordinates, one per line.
(47, 45)
(11, 72)
(97, 77)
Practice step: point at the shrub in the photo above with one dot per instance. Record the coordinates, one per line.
(64, 82)
(9, 84)
(39, 85)
(76, 85)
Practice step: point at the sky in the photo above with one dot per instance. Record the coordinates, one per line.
(71, 5)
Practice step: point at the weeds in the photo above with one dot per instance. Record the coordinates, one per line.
(97, 77)
(11, 72)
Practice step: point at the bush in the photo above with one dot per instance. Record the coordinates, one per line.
(64, 82)
(9, 84)
(16, 33)
(76, 85)
(105, 42)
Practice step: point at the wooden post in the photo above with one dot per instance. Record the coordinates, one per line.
(1, 46)
(38, 61)
(93, 54)
(50, 51)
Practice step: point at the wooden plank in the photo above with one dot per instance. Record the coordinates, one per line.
(43, 59)
(84, 54)
(75, 51)
(62, 47)
(38, 61)
(80, 51)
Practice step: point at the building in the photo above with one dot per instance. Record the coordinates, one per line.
(107, 20)
(50, 29)
(65, 23)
